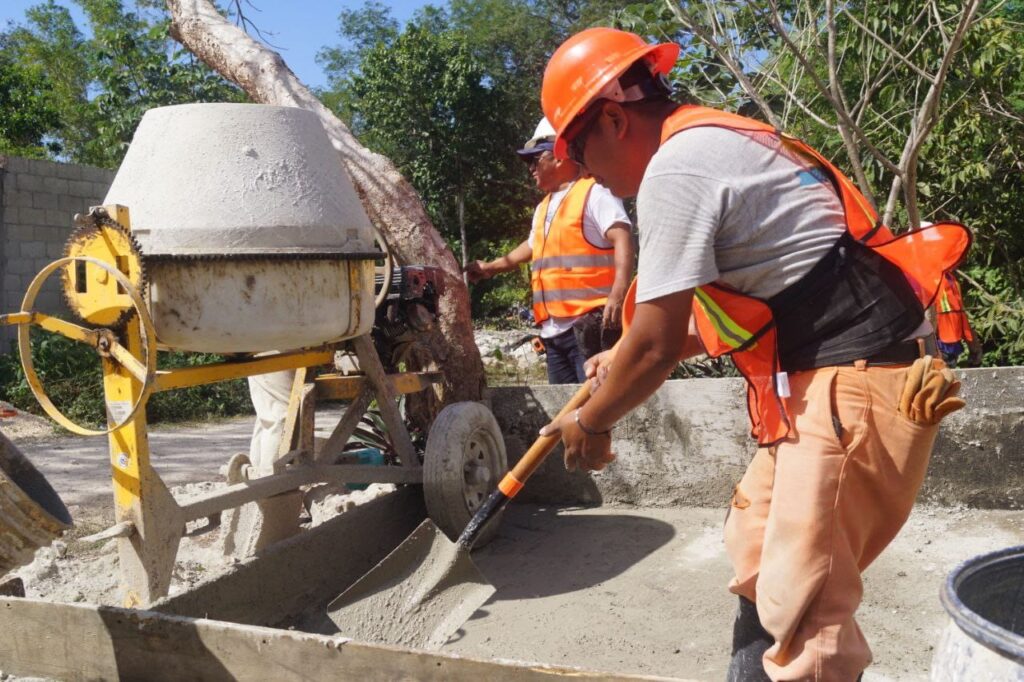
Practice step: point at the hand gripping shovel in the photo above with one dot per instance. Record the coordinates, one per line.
(421, 593)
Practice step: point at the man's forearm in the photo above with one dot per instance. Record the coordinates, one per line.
(511, 260)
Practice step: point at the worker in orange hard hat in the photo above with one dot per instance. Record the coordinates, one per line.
(581, 255)
(752, 244)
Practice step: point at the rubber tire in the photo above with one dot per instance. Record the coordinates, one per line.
(443, 461)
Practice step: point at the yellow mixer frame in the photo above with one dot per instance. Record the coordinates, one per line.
(149, 521)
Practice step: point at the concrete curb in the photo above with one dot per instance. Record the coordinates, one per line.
(689, 445)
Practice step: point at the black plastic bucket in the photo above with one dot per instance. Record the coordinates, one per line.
(984, 598)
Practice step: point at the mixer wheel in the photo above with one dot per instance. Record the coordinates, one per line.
(464, 460)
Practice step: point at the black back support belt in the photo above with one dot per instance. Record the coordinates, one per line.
(853, 304)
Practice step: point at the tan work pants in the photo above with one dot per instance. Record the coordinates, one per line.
(812, 513)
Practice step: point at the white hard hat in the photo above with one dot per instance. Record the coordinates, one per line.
(543, 140)
(544, 129)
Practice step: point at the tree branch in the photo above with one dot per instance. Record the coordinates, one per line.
(925, 121)
(852, 150)
(389, 199)
(844, 116)
(734, 68)
(881, 41)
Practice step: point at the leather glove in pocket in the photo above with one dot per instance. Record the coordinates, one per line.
(930, 393)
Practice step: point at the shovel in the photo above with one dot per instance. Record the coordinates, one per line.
(421, 593)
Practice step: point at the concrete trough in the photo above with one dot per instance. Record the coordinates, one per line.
(622, 571)
(242, 626)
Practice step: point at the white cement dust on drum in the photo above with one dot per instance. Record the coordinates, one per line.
(243, 183)
(417, 596)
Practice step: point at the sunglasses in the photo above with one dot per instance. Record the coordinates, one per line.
(577, 132)
(536, 159)
(532, 161)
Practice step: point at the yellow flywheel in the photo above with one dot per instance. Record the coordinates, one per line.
(90, 291)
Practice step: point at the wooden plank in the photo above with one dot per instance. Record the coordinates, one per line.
(289, 432)
(339, 387)
(82, 642)
(387, 401)
(201, 506)
(292, 577)
(346, 427)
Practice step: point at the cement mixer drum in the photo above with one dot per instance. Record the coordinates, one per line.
(253, 236)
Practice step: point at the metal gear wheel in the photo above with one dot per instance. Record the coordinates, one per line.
(89, 291)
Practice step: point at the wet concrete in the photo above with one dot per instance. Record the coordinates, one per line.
(643, 590)
(418, 596)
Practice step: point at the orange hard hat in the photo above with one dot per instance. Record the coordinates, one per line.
(587, 64)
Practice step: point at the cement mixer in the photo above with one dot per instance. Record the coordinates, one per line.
(234, 229)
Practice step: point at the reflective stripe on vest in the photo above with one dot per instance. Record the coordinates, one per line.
(728, 320)
(603, 261)
(571, 295)
(569, 275)
(728, 329)
(944, 306)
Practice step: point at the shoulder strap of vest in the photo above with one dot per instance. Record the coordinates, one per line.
(861, 218)
(691, 116)
(574, 203)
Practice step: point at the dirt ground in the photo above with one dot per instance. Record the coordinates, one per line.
(618, 589)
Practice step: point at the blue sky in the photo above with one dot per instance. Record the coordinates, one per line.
(299, 27)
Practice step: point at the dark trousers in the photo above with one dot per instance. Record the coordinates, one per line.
(565, 361)
(567, 352)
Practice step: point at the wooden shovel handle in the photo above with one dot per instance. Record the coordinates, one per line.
(541, 447)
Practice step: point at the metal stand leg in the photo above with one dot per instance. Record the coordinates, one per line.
(371, 365)
(142, 504)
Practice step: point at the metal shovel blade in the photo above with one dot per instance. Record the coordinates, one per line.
(418, 596)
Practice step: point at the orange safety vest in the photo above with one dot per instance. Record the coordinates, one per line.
(729, 321)
(568, 274)
(950, 318)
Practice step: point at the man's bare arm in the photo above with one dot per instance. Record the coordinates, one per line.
(622, 241)
(478, 270)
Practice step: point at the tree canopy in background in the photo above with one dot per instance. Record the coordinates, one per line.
(91, 92)
(878, 64)
(449, 98)
(451, 94)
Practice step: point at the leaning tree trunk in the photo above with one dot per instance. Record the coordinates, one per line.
(389, 199)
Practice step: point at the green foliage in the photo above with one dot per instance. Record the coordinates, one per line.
(996, 310)
(449, 98)
(505, 296)
(72, 376)
(96, 89)
(29, 115)
(970, 168)
(422, 99)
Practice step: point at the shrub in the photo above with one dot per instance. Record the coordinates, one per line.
(72, 375)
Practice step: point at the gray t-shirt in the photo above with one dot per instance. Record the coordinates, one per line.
(737, 207)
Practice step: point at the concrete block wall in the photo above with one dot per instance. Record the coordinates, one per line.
(689, 444)
(38, 200)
